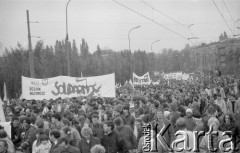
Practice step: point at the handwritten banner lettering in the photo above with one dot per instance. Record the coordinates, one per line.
(143, 80)
(67, 87)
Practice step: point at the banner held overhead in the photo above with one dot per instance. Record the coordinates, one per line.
(67, 87)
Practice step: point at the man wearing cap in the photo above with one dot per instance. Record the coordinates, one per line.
(190, 124)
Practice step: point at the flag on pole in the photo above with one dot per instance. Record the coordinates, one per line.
(5, 92)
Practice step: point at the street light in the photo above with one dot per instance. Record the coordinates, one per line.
(193, 38)
(66, 40)
(153, 43)
(130, 47)
(129, 36)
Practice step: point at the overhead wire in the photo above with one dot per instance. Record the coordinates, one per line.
(228, 10)
(150, 19)
(222, 16)
(174, 20)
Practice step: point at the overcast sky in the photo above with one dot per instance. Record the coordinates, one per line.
(107, 23)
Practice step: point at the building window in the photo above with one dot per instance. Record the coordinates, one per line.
(223, 64)
(223, 58)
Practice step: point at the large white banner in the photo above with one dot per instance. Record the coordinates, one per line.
(143, 80)
(66, 87)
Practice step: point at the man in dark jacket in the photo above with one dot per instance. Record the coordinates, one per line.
(111, 141)
(128, 119)
(28, 135)
(16, 130)
(54, 135)
(88, 141)
(126, 133)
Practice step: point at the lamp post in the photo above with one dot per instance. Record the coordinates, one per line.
(129, 43)
(66, 40)
(154, 43)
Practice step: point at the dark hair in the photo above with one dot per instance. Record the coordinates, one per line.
(110, 124)
(95, 116)
(118, 121)
(43, 137)
(27, 119)
(230, 117)
(57, 116)
(146, 118)
(15, 118)
(66, 122)
(3, 133)
(126, 107)
(55, 133)
(67, 130)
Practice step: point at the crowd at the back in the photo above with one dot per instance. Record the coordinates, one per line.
(105, 125)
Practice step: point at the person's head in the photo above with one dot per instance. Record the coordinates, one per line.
(95, 118)
(214, 123)
(160, 114)
(118, 122)
(3, 133)
(108, 126)
(15, 122)
(181, 123)
(39, 132)
(40, 123)
(54, 135)
(66, 132)
(26, 122)
(105, 117)
(63, 143)
(146, 119)
(189, 113)
(3, 146)
(219, 96)
(43, 138)
(55, 117)
(126, 109)
(211, 101)
(212, 112)
(86, 132)
(228, 118)
(98, 149)
(65, 122)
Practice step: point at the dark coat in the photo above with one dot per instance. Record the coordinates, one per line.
(15, 134)
(85, 147)
(97, 130)
(127, 134)
(70, 149)
(128, 120)
(29, 136)
(113, 143)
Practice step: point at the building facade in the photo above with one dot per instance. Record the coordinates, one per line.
(205, 58)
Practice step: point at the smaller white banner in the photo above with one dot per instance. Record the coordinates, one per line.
(143, 80)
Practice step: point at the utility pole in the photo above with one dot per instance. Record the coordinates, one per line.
(31, 62)
(66, 40)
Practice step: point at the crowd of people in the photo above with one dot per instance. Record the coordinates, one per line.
(115, 125)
